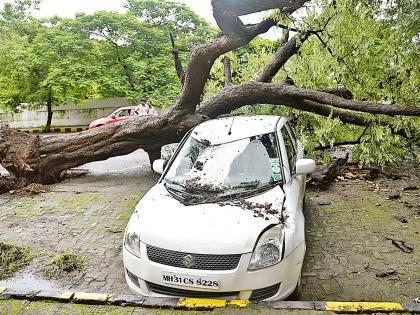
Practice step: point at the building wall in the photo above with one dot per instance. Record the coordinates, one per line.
(65, 115)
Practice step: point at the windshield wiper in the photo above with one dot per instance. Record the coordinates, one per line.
(176, 189)
(245, 191)
(171, 183)
(251, 185)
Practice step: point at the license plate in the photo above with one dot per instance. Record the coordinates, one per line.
(190, 281)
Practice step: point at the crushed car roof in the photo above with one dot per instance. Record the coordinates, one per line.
(229, 129)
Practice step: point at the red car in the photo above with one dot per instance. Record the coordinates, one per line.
(122, 113)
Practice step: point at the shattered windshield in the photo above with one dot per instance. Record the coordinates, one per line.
(245, 164)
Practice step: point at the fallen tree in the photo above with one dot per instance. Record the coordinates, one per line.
(35, 159)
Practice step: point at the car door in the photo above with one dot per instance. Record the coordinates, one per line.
(295, 184)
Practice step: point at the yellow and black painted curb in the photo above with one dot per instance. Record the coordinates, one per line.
(55, 130)
(206, 304)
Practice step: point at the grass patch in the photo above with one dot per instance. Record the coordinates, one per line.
(65, 262)
(13, 258)
(127, 207)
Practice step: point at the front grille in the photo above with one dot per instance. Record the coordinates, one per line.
(160, 289)
(264, 293)
(192, 261)
(133, 278)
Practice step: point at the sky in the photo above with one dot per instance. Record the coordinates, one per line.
(68, 8)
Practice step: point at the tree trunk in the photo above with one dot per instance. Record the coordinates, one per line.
(154, 155)
(50, 113)
(45, 159)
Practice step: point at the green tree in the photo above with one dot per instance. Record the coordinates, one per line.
(51, 67)
(20, 10)
(41, 63)
(372, 49)
(134, 59)
(105, 54)
(175, 21)
(172, 17)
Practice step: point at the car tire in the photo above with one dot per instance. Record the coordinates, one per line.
(297, 292)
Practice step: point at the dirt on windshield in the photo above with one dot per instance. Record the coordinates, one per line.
(362, 235)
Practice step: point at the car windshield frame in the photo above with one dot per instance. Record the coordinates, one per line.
(272, 161)
(118, 111)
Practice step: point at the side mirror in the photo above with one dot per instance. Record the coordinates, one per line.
(305, 166)
(159, 166)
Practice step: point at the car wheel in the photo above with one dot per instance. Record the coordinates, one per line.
(297, 293)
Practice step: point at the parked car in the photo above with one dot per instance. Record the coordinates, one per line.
(225, 219)
(122, 113)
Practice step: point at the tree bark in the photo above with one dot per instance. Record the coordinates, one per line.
(227, 70)
(154, 155)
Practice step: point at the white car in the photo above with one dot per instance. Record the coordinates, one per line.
(225, 219)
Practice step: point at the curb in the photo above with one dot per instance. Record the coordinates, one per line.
(205, 304)
(55, 130)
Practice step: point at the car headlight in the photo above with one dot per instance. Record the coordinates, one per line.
(268, 250)
(132, 237)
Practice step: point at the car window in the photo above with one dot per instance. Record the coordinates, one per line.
(121, 113)
(290, 149)
(245, 164)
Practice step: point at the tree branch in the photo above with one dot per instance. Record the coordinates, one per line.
(340, 91)
(227, 70)
(236, 96)
(286, 50)
(349, 142)
(235, 35)
(263, 93)
(336, 101)
(201, 60)
(178, 65)
(344, 116)
(283, 54)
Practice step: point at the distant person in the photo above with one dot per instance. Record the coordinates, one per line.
(145, 108)
(150, 109)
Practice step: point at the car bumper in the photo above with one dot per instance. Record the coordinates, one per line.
(145, 277)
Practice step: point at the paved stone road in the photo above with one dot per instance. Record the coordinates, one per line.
(346, 247)
(87, 214)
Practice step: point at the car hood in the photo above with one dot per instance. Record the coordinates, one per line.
(100, 121)
(231, 227)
